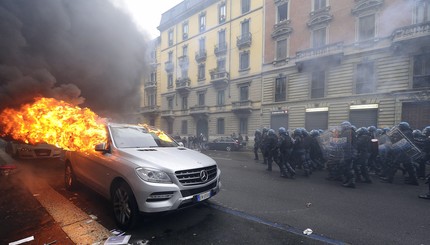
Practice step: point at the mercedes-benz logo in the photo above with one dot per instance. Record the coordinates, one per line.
(204, 175)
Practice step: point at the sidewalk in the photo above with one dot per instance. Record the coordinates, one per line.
(29, 208)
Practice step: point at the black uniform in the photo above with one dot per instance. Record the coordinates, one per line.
(349, 151)
(271, 149)
(363, 145)
(257, 143)
(285, 149)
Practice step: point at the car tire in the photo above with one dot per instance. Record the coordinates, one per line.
(70, 181)
(228, 148)
(124, 206)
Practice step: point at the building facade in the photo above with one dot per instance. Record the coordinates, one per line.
(229, 66)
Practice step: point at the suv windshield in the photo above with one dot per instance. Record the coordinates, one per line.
(140, 137)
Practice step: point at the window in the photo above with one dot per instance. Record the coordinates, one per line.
(422, 12)
(280, 89)
(365, 78)
(221, 98)
(202, 44)
(201, 99)
(244, 92)
(201, 72)
(421, 77)
(319, 38)
(246, 6)
(185, 50)
(170, 103)
(170, 57)
(281, 49)
(170, 37)
(222, 12)
(184, 73)
(221, 64)
(221, 40)
(245, 28)
(220, 126)
(244, 60)
(185, 29)
(170, 81)
(152, 99)
(366, 28)
(184, 103)
(243, 126)
(318, 84)
(184, 127)
(282, 12)
(319, 4)
(153, 76)
(202, 22)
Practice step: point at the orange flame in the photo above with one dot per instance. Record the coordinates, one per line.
(160, 133)
(55, 122)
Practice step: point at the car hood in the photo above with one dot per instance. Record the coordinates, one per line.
(167, 158)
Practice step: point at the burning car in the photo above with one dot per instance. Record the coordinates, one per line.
(32, 151)
(142, 170)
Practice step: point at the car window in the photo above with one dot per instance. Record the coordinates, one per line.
(136, 137)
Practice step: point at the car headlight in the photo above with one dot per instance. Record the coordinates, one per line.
(153, 175)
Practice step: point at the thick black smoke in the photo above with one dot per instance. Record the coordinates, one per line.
(83, 51)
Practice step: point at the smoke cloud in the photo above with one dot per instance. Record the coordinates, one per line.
(86, 52)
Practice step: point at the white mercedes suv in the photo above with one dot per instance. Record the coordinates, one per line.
(142, 170)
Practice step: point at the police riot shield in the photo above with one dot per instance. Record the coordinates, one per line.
(400, 144)
(334, 145)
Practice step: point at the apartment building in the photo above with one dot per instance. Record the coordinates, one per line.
(209, 68)
(327, 61)
(227, 66)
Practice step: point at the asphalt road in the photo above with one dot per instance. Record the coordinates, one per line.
(258, 207)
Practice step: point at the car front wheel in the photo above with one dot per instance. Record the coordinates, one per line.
(124, 206)
(228, 148)
(69, 177)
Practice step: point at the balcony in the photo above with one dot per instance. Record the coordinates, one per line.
(219, 79)
(242, 107)
(150, 110)
(201, 55)
(183, 85)
(327, 54)
(244, 41)
(169, 66)
(150, 86)
(220, 49)
(183, 61)
(199, 110)
(406, 37)
(282, 28)
(168, 114)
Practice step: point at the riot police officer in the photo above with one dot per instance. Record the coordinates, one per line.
(363, 151)
(315, 153)
(285, 149)
(263, 145)
(349, 150)
(426, 158)
(257, 142)
(271, 149)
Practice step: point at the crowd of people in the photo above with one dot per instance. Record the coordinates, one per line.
(349, 154)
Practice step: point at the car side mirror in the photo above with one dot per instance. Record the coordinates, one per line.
(101, 147)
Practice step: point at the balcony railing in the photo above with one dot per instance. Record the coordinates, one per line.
(150, 85)
(411, 32)
(282, 28)
(201, 55)
(150, 109)
(168, 113)
(183, 61)
(243, 106)
(244, 41)
(220, 49)
(326, 50)
(199, 109)
(219, 78)
(169, 66)
(183, 84)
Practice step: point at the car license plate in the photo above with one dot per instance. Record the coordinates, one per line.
(203, 196)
